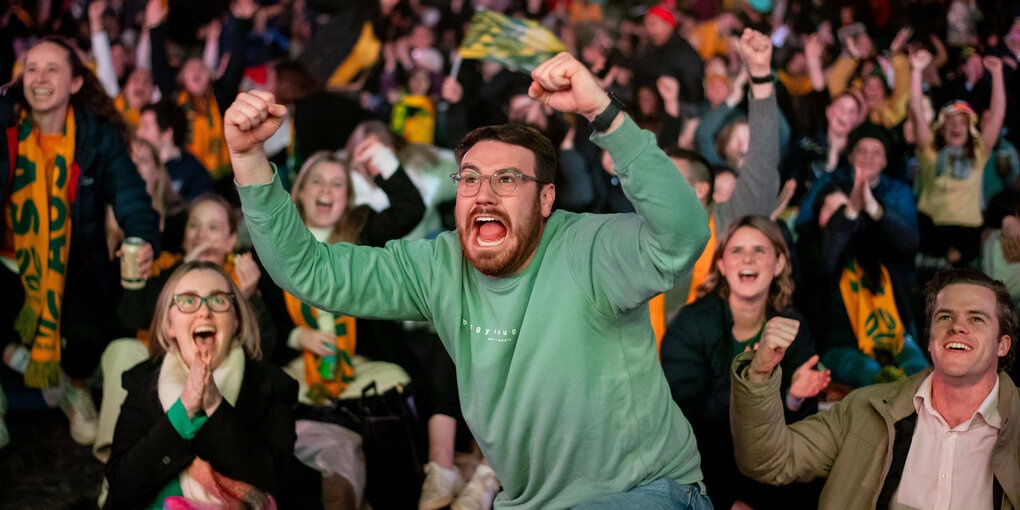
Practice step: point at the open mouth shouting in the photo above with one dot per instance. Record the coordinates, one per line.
(204, 335)
(490, 230)
(747, 275)
(323, 205)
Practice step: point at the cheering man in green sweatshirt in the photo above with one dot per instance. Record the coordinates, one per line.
(544, 313)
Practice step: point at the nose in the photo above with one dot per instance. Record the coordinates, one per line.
(204, 309)
(959, 324)
(486, 195)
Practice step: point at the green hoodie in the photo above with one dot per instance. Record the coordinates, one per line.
(557, 367)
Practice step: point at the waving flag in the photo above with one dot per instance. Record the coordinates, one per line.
(513, 42)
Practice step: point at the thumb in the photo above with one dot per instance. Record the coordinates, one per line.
(277, 110)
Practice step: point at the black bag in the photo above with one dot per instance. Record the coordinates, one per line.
(391, 435)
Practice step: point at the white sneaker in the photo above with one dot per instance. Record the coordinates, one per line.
(5, 435)
(440, 486)
(77, 405)
(479, 492)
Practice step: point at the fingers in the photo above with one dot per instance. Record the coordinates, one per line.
(780, 332)
(554, 74)
(811, 362)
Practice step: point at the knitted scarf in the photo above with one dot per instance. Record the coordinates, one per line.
(871, 308)
(321, 384)
(41, 226)
(205, 133)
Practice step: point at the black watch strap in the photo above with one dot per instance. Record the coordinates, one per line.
(768, 78)
(603, 120)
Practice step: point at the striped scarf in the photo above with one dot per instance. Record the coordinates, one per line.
(305, 316)
(41, 224)
(205, 133)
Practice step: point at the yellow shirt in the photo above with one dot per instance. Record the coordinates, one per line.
(948, 200)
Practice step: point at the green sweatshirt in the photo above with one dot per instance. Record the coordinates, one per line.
(557, 367)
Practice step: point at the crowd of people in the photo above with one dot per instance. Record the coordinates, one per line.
(815, 201)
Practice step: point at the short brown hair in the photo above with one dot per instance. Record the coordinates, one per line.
(248, 327)
(515, 134)
(1005, 312)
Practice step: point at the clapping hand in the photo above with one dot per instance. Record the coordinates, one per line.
(808, 382)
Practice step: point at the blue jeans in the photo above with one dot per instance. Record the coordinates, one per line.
(664, 494)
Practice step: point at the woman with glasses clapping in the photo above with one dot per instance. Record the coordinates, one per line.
(206, 423)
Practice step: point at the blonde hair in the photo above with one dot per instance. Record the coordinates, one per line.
(781, 287)
(247, 333)
(352, 221)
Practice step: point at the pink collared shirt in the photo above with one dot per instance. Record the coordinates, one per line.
(949, 468)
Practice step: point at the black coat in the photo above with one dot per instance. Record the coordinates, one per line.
(696, 357)
(252, 442)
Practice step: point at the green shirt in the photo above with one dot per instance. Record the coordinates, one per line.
(187, 428)
(557, 368)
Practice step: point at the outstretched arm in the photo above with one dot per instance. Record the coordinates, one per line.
(992, 123)
(758, 184)
(919, 60)
(670, 227)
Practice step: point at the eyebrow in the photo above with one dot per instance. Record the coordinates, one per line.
(469, 166)
(968, 312)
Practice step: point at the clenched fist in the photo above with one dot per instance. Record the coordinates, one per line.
(250, 121)
(779, 333)
(563, 83)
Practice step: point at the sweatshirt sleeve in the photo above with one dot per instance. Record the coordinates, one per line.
(360, 281)
(758, 184)
(637, 256)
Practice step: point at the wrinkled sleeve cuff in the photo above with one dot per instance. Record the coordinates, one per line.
(186, 427)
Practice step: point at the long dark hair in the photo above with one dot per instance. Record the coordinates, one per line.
(91, 96)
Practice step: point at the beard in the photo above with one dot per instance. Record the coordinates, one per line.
(522, 239)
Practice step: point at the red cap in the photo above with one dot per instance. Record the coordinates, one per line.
(664, 11)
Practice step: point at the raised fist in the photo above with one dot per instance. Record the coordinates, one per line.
(756, 49)
(251, 120)
(777, 336)
(564, 84)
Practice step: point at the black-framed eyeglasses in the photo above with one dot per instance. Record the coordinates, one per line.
(503, 182)
(188, 302)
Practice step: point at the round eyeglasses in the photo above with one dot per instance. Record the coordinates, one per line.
(503, 182)
(217, 301)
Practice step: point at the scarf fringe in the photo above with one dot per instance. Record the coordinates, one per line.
(42, 374)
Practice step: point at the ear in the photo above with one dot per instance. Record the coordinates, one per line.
(720, 265)
(780, 264)
(701, 190)
(233, 240)
(547, 196)
(76, 85)
(1004, 343)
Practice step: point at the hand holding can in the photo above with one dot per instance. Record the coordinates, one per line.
(130, 272)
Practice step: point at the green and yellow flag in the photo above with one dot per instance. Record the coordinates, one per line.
(513, 42)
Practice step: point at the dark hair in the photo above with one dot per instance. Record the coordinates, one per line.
(515, 134)
(170, 116)
(91, 96)
(1004, 310)
(700, 169)
(294, 82)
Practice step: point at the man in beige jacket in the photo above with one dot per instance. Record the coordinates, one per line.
(946, 437)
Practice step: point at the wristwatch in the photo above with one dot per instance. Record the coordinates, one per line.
(603, 120)
(768, 78)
